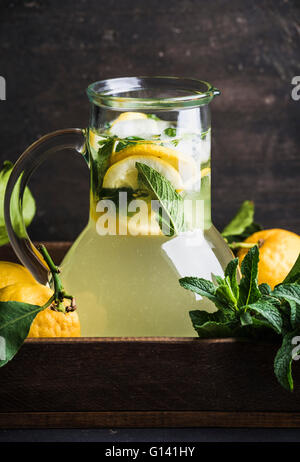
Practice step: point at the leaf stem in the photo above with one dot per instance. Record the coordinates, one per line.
(243, 245)
(59, 292)
(246, 245)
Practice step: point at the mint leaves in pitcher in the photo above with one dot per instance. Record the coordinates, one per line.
(171, 218)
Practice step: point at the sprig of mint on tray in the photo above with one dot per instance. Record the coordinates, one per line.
(247, 310)
(28, 205)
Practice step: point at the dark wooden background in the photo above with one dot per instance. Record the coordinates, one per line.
(50, 50)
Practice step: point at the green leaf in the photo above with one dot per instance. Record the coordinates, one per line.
(242, 225)
(225, 294)
(207, 326)
(171, 221)
(294, 274)
(217, 280)
(153, 116)
(290, 292)
(283, 360)
(125, 142)
(267, 307)
(28, 205)
(170, 131)
(265, 289)
(103, 157)
(294, 313)
(251, 229)
(246, 318)
(231, 273)
(207, 289)
(242, 219)
(15, 322)
(249, 291)
(199, 286)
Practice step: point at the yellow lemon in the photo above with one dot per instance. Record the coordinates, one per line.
(47, 323)
(278, 251)
(185, 166)
(129, 116)
(124, 173)
(10, 273)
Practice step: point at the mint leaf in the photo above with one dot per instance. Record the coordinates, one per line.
(153, 116)
(290, 292)
(206, 288)
(242, 225)
(283, 360)
(28, 205)
(170, 131)
(15, 322)
(100, 163)
(294, 313)
(249, 291)
(294, 274)
(245, 318)
(171, 221)
(225, 294)
(214, 329)
(200, 317)
(129, 141)
(231, 273)
(265, 289)
(241, 221)
(267, 307)
(208, 325)
(200, 286)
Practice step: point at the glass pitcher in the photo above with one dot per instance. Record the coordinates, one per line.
(148, 151)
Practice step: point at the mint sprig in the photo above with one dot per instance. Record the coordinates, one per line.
(171, 216)
(249, 310)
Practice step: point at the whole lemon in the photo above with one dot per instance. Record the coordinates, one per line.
(10, 273)
(47, 323)
(278, 251)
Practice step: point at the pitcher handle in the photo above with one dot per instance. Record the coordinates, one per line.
(28, 162)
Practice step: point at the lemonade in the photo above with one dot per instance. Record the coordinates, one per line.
(128, 259)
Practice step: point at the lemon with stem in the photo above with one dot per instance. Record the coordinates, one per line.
(58, 318)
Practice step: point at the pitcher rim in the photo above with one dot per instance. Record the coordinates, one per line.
(197, 93)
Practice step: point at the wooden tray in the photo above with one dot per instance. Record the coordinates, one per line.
(143, 382)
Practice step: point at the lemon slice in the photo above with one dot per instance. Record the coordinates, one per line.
(129, 116)
(94, 139)
(124, 174)
(185, 166)
(146, 227)
(205, 172)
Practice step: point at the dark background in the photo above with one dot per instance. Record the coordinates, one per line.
(50, 50)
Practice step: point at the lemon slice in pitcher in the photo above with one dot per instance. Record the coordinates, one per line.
(185, 166)
(95, 139)
(129, 116)
(124, 174)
